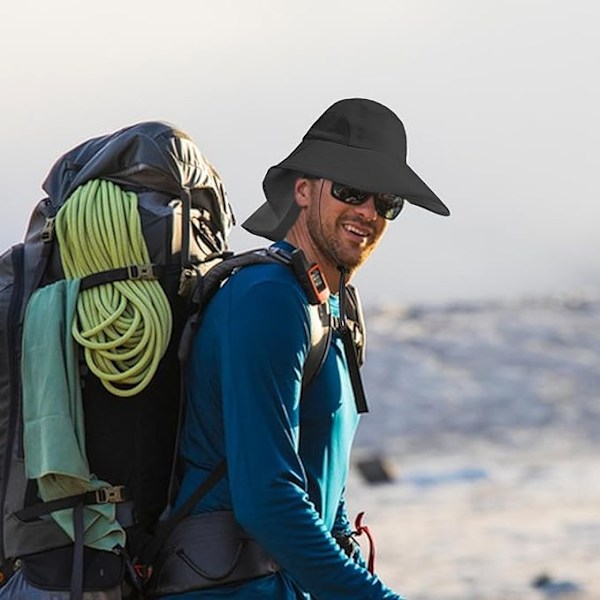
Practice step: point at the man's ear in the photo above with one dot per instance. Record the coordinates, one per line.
(302, 191)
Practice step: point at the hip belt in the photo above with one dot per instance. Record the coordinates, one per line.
(207, 550)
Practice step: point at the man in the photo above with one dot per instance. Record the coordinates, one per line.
(287, 446)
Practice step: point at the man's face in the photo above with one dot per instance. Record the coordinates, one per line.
(344, 233)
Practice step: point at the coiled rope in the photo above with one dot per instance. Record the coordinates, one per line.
(123, 326)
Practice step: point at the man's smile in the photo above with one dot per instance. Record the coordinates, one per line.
(357, 231)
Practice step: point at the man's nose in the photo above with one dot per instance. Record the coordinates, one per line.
(367, 209)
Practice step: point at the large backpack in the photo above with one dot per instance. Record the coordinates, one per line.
(185, 220)
(130, 442)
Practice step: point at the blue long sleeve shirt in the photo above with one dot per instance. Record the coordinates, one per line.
(287, 449)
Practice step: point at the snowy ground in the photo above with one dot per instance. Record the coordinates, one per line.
(489, 417)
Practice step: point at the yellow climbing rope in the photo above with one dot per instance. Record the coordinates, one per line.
(124, 326)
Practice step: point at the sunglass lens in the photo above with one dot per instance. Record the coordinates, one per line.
(389, 205)
(348, 194)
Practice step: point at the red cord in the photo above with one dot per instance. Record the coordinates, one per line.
(360, 529)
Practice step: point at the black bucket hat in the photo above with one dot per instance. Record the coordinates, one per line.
(357, 142)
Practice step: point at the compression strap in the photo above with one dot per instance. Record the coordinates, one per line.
(105, 495)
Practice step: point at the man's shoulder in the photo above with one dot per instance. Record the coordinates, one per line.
(273, 287)
(270, 274)
(265, 293)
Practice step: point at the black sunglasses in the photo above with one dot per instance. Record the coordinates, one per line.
(387, 205)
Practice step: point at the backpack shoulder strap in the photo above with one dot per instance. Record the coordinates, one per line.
(310, 278)
(351, 330)
(207, 285)
(321, 329)
(355, 321)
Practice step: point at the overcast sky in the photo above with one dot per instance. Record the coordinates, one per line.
(500, 100)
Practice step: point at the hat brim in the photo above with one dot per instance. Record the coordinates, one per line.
(362, 168)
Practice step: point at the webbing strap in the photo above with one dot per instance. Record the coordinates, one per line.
(77, 574)
(112, 495)
(360, 397)
(320, 334)
(147, 272)
(350, 349)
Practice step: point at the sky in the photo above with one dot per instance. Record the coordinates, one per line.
(500, 100)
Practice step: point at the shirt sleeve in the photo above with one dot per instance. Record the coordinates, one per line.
(263, 355)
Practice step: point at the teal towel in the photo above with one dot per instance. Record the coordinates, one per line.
(54, 433)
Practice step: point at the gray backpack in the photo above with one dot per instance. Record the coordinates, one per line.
(185, 220)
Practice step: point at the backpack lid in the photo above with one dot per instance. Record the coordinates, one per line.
(152, 155)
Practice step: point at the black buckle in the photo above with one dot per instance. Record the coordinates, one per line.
(137, 272)
(112, 495)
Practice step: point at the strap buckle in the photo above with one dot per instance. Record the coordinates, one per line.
(137, 272)
(47, 232)
(112, 495)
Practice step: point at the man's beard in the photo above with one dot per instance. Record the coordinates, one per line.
(330, 245)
